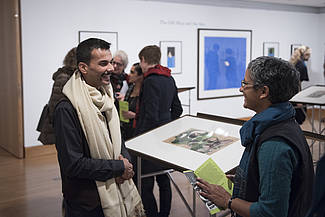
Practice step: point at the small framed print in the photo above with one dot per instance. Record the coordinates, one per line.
(171, 55)
(110, 37)
(271, 49)
(293, 48)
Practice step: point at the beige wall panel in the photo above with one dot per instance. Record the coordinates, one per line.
(11, 108)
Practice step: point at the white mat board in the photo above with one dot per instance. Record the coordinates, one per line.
(151, 144)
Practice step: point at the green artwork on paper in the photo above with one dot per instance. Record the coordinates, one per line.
(201, 141)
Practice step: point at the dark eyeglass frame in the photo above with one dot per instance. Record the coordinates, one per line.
(245, 83)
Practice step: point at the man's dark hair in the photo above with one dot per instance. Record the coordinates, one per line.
(85, 48)
(151, 54)
(279, 75)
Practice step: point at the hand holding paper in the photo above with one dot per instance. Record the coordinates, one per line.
(214, 183)
(128, 114)
(215, 193)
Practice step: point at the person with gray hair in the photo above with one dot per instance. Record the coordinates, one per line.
(119, 77)
(275, 174)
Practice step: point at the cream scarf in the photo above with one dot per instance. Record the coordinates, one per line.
(117, 200)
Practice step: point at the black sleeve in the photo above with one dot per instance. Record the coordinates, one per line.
(73, 151)
(300, 66)
(124, 151)
(150, 106)
(176, 107)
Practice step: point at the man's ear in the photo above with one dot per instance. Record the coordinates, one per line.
(83, 68)
(265, 92)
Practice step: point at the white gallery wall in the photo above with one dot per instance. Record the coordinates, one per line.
(322, 45)
(50, 29)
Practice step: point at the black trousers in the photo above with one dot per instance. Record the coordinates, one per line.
(300, 115)
(75, 211)
(165, 196)
(147, 184)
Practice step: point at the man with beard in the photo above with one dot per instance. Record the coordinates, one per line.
(94, 163)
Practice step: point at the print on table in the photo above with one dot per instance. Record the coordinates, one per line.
(201, 141)
(317, 94)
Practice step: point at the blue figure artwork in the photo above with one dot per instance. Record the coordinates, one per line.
(270, 51)
(171, 57)
(224, 62)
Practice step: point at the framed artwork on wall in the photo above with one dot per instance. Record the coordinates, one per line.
(110, 37)
(223, 55)
(293, 48)
(171, 55)
(271, 49)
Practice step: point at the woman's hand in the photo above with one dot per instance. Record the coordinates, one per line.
(119, 96)
(128, 114)
(220, 197)
(215, 193)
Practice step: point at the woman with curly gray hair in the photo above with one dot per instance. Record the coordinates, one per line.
(275, 174)
(119, 77)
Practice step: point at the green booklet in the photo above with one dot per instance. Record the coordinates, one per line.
(124, 106)
(211, 172)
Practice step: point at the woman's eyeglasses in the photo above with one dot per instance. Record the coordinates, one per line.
(116, 63)
(245, 83)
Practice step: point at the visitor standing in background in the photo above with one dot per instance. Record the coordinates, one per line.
(159, 104)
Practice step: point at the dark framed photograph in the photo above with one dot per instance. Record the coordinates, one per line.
(171, 55)
(110, 37)
(271, 49)
(223, 55)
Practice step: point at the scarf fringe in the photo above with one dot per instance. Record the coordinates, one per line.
(138, 211)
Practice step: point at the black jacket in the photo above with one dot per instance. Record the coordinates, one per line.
(45, 124)
(159, 102)
(78, 170)
(302, 69)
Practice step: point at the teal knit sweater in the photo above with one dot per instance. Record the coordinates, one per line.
(276, 164)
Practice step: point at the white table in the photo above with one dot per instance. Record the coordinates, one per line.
(151, 146)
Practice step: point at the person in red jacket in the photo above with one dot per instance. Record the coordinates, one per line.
(159, 104)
